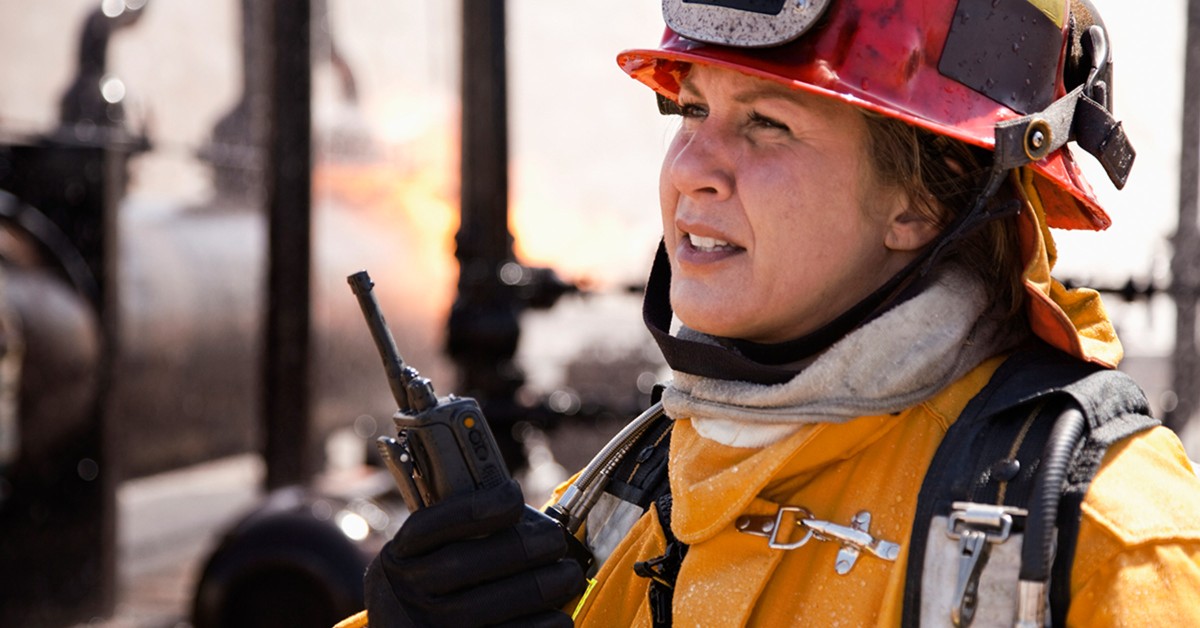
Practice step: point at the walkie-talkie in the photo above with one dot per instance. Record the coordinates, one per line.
(443, 445)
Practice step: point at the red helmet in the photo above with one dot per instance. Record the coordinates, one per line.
(1019, 77)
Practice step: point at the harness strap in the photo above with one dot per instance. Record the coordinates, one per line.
(640, 478)
(663, 570)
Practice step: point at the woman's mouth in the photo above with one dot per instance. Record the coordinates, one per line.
(697, 250)
(709, 245)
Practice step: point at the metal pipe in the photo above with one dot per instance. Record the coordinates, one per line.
(286, 404)
(483, 234)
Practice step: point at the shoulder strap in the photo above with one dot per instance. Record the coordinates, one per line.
(641, 478)
(641, 475)
(993, 452)
(1117, 409)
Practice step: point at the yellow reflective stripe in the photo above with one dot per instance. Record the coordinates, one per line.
(1056, 10)
(583, 599)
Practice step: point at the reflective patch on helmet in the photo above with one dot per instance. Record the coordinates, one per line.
(1007, 50)
(1056, 10)
(743, 23)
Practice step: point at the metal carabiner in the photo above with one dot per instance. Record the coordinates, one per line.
(1098, 39)
(976, 527)
(973, 549)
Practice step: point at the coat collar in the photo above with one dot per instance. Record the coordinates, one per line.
(897, 360)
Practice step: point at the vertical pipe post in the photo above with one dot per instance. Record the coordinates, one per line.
(484, 234)
(484, 328)
(286, 393)
(1185, 263)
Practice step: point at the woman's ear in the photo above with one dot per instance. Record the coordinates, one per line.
(908, 229)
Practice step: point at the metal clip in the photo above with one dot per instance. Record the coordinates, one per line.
(854, 538)
(1096, 42)
(977, 527)
(973, 550)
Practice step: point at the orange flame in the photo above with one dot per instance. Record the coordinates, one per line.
(408, 214)
(418, 202)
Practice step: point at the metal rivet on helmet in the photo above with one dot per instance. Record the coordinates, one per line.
(1039, 140)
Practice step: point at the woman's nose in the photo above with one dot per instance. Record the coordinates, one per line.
(699, 164)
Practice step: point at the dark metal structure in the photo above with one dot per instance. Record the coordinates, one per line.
(493, 288)
(483, 327)
(279, 549)
(57, 526)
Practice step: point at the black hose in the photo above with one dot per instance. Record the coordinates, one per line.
(1038, 549)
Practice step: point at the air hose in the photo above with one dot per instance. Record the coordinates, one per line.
(571, 510)
(1038, 551)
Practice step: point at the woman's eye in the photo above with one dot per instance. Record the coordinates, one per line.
(765, 122)
(692, 111)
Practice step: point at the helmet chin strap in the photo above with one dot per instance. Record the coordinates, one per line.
(971, 220)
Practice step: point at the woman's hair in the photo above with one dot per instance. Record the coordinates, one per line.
(942, 177)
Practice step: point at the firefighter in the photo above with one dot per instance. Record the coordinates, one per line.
(884, 410)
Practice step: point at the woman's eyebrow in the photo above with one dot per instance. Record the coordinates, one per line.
(769, 91)
(766, 91)
(686, 84)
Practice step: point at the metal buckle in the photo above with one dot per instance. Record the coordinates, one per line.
(770, 526)
(853, 538)
(994, 521)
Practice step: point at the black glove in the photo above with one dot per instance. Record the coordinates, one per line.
(475, 559)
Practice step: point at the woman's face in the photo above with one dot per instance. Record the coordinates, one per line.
(772, 219)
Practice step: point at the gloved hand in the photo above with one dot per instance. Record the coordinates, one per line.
(476, 559)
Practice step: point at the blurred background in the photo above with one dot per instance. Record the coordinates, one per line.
(188, 392)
